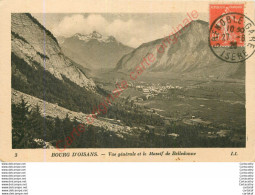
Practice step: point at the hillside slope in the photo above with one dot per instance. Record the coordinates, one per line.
(40, 69)
(33, 43)
(54, 111)
(190, 56)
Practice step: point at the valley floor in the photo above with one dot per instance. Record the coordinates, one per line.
(216, 107)
(173, 114)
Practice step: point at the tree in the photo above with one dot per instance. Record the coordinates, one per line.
(21, 129)
(36, 123)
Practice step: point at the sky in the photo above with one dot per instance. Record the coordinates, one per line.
(130, 29)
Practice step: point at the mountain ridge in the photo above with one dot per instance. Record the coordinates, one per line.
(94, 50)
(190, 55)
(96, 36)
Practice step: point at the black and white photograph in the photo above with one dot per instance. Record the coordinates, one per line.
(122, 80)
(127, 97)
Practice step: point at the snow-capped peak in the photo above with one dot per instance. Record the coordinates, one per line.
(95, 36)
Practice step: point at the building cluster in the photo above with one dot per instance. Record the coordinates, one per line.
(154, 90)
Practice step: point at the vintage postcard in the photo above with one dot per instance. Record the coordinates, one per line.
(127, 81)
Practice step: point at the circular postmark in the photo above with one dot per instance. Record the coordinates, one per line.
(232, 37)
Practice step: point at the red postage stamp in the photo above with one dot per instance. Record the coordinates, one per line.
(227, 25)
(228, 28)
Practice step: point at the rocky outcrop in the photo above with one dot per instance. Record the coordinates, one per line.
(33, 43)
(53, 110)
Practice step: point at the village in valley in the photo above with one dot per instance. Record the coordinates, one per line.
(180, 105)
(151, 90)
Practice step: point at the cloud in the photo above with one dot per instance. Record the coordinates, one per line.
(79, 24)
(132, 32)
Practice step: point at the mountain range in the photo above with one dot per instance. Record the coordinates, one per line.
(38, 60)
(94, 51)
(190, 56)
